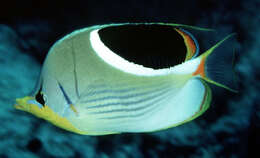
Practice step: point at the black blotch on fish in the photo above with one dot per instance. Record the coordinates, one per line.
(154, 46)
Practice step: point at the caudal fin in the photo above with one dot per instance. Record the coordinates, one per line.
(219, 64)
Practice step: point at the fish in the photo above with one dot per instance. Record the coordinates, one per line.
(127, 78)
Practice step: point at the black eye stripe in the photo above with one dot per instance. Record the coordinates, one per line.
(39, 97)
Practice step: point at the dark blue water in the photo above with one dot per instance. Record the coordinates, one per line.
(229, 129)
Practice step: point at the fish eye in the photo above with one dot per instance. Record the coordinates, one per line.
(40, 98)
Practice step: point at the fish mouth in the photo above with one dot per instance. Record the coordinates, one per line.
(27, 104)
(22, 103)
(45, 112)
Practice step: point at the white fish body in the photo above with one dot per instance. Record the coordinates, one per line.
(87, 88)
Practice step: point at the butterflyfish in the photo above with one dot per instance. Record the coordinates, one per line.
(127, 78)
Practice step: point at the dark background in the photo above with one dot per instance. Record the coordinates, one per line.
(28, 28)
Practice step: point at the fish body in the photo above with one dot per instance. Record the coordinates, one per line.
(88, 86)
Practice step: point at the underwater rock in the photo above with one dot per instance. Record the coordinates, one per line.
(17, 69)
